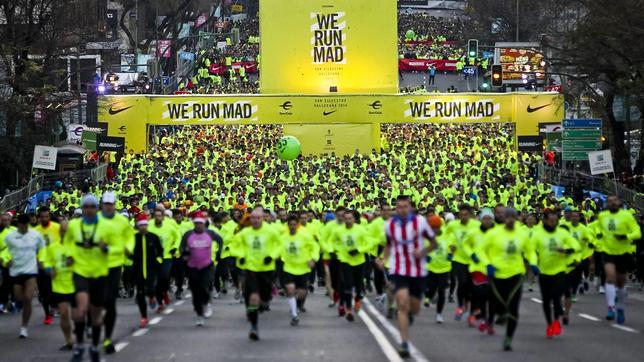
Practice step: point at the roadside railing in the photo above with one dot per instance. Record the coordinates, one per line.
(47, 181)
(579, 179)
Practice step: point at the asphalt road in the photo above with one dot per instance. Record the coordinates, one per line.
(322, 336)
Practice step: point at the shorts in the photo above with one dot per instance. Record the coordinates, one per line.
(22, 279)
(624, 263)
(300, 281)
(415, 285)
(96, 287)
(57, 298)
(258, 282)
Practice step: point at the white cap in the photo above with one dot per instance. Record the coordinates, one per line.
(449, 217)
(167, 213)
(109, 197)
(89, 200)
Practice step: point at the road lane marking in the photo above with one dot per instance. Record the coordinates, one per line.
(119, 346)
(383, 342)
(168, 311)
(636, 297)
(179, 302)
(589, 317)
(393, 332)
(140, 332)
(624, 328)
(155, 320)
(536, 300)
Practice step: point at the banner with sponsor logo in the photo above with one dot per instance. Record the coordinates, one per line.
(424, 64)
(44, 157)
(128, 116)
(110, 144)
(340, 139)
(320, 46)
(220, 69)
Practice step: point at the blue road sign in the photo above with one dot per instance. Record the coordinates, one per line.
(582, 123)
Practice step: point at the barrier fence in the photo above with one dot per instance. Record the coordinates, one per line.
(47, 181)
(576, 181)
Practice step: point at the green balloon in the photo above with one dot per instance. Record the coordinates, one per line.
(410, 34)
(288, 148)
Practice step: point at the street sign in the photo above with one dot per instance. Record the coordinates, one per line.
(582, 123)
(593, 134)
(575, 156)
(590, 145)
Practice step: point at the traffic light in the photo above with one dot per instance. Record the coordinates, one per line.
(497, 75)
(472, 48)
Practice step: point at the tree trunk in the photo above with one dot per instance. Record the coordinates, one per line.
(616, 135)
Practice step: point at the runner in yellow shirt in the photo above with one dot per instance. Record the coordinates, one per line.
(50, 231)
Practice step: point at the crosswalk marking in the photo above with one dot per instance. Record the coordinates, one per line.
(155, 320)
(140, 332)
(589, 317)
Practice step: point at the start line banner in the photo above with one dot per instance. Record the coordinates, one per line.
(128, 116)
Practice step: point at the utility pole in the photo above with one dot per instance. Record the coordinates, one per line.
(517, 36)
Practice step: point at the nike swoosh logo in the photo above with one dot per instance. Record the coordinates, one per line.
(530, 109)
(113, 111)
(327, 113)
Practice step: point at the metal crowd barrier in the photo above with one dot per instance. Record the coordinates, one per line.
(47, 181)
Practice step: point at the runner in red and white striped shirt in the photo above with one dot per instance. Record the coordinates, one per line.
(406, 251)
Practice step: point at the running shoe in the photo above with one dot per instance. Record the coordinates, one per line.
(459, 314)
(200, 321)
(507, 344)
(574, 298)
(341, 311)
(349, 316)
(426, 303)
(439, 318)
(471, 321)
(152, 303)
(160, 308)
(490, 330)
(531, 287)
(66, 347)
(215, 295)
(621, 318)
(550, 331)
(482, 327)
(556, 327)
(77, 355)
(108, 347)
(295, 321)
(450, 299)
(23, 333)
(253, 334)
(357, 305)
(565, 320)
(143, 323)
(601, 289)
(403, 350)
(610, 315)
(49, 319)
(208, 311)
(237, 295)
(166, 298)
(94, 354)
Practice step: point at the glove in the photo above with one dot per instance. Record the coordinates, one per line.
(353, 252)
(242, 261)
(490, 271)
(535, 270)
(428, 258)
(267, 260)
(450, 256)
(475, 258)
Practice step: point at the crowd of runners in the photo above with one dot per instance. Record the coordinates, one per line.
(441, 210)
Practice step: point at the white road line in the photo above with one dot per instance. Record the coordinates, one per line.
(140, 332)
(188, 296)
(168, 311)
(179, 302)
(383, 342)
(393, 332)
(636, 297)
(536, 300)
(119, 346)
(155, 320)
(589, 317)
(624, 328)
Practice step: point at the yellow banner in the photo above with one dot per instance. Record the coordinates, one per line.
(339, 139)
(321, 46)
(128, 116)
